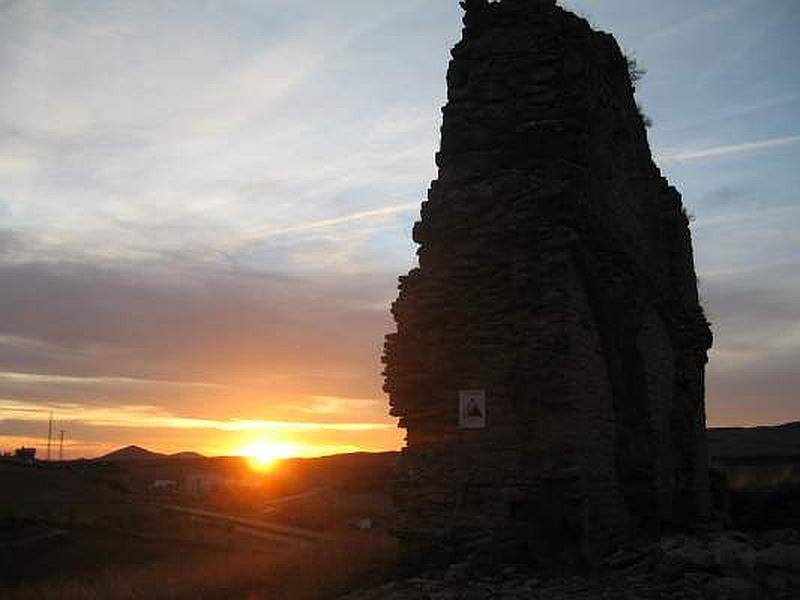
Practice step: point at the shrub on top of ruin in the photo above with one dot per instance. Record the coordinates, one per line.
(646, 120)
(635, 71)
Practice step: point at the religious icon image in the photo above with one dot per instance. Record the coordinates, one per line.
(472, 409)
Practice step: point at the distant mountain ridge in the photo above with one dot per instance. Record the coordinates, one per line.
(763, 442)
(134, 452)
(188, 454)
(780, 441)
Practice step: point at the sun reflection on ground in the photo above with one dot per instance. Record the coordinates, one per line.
(262, 456)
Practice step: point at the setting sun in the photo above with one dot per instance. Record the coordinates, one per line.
(262, 456)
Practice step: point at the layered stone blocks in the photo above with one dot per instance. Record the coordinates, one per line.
(556, 282)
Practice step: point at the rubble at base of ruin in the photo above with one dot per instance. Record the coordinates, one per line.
(556, 290)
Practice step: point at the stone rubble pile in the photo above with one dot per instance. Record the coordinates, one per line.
(722, 566)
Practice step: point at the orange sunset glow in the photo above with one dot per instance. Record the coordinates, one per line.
(262, 456)
(321, 426)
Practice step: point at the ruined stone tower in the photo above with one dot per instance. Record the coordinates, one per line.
(549, 356)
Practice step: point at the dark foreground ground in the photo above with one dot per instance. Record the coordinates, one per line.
(89, 531)
(98, 531)
(98, 565)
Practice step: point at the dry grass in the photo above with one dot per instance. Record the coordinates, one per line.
(325, 571)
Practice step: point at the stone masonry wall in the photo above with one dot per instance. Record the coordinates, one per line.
(556, 275)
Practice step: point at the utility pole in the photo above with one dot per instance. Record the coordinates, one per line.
(61, 446)
(49, 435)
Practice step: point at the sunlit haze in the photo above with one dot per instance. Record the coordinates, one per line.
(204, 208)
(262, 456)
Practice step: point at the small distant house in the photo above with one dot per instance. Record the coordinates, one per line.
(24, 454)
(163, 486)
(200, 484)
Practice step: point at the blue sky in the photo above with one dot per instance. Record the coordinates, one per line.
(204, 205)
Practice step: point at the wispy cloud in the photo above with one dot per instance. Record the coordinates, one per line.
(673, 156)
(695, 22)
(378, 213)
(145, 417)
(731, 111)
(49, 379)
(331, 405)
(178, 100)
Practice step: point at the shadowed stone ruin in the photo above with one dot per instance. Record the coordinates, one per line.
(549, 357)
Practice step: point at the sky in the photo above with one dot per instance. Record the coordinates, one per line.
(204, 207)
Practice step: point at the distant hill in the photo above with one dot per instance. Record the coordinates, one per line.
(186, 455)
(761, 468)
(130, 453)
(770, 443)
(35, 490)
(139, 453)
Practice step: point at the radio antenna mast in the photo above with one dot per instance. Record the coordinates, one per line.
(61, 446)
(49, 435)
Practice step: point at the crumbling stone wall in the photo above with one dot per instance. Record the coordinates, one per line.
(556, 276)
